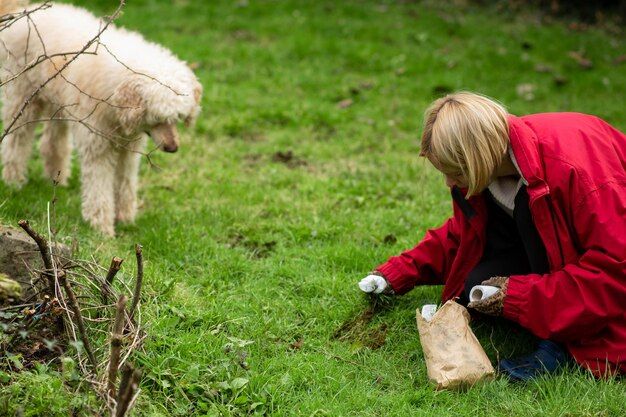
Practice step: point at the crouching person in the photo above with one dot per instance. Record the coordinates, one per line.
(539, 210)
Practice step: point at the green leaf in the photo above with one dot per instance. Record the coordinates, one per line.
(238, 383)
(241, 400)
(223, 385)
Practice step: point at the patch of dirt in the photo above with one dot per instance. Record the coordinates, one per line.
(33, 335)
(297, 345)
(358, 329)
(390, 239)
(258, 249)
(348, 327)
(560, 80)
(288, 158)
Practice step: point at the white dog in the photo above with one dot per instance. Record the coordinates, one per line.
(107, 99)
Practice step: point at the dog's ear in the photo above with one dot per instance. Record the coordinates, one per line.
(197, 96)
(129, 105)
(197, 92)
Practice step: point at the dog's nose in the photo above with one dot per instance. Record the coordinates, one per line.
(170, 148)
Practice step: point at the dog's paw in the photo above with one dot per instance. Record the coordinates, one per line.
(107, 230)
(100, 219)
(125, 209)
(126, 215)
(127, 218)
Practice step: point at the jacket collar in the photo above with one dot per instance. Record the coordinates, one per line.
(525, 146)
(458, 196)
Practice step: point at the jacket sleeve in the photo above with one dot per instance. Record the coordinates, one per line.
(576, 301)
(427, 263)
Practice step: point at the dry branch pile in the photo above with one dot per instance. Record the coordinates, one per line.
(72, 307)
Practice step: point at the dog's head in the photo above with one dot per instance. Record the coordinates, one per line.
(157, 105)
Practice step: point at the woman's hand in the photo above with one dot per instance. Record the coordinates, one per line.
(492, 305)
(374, 284)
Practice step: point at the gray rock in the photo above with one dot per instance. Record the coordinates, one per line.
(19, 257)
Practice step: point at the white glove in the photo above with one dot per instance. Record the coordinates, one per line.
(373, 283)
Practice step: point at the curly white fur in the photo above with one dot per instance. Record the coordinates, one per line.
(106, 100)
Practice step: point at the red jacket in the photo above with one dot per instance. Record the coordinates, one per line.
(575, 166)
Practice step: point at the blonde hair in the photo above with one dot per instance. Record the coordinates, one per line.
(467, 135)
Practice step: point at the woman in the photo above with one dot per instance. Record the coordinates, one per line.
(539, 211)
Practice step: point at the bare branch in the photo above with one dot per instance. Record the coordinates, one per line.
(39, 60)
(42, 244)
(79, 292)
(138, 281)
(79, 319)
(139, 73)
(6, 21)
(116, 343)
(116, 264)
(128, 387)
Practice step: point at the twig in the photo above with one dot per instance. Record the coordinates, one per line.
(41, 243)
(55, 278)
(116, 264)
(8, 20)
(79, 319)
(116, 343)
(128, 386)
(43, 249)
(138, 281)
(131, 403)
(137, 72)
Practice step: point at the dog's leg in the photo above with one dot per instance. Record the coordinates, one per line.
(126, 181)
(56, 150)
(17, 146)
(98, 160)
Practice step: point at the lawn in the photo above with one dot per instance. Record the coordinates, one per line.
(301, 175)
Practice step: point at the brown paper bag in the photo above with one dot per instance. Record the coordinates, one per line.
(454, 357)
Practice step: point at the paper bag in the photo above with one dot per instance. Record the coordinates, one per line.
(454, 357)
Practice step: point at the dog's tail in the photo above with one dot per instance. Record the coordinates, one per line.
(8, 6)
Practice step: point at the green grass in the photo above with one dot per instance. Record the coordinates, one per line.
(252, 264)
